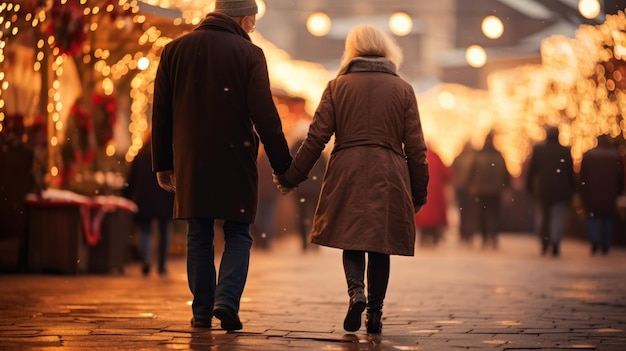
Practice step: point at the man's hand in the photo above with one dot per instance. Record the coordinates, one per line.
(282, 189)
(166, 180)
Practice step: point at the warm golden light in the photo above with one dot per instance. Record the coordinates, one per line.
(476, 56)
(589, 8)
(318, 24)
(446, 100)
(579, 85)
(143, 63)
(110, 150)
(400, 24)
(492, 27)
(262, 9)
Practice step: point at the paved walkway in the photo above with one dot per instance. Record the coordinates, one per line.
(445, 298)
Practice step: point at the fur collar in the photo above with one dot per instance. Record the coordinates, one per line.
(369, 64)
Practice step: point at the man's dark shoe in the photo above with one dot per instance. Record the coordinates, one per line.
(145, 269)
(200, 323)
(352, 322)
(229, 318)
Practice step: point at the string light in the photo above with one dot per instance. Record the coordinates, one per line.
(579, 86)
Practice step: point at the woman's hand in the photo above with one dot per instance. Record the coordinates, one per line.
(283, 190)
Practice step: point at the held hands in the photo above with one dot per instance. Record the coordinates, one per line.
(283, 190)
(166, 180)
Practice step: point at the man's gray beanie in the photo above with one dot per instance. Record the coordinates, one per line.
(236, 8)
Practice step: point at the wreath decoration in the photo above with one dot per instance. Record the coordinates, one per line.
(107, 109)
(85, 151)
(68, 26)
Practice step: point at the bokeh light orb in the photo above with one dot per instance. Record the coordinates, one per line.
(143, 63)
(589, 8)
(492, 27)
(446, 100)
(400, 24)
(476, 56)
(318, 24)
(262, 8)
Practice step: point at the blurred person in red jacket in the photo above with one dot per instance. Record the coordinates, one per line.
(432, 220)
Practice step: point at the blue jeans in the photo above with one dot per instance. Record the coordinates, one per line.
(600, 228)
(165, 233)
(551, 223)
(233, 269)
(488, 211)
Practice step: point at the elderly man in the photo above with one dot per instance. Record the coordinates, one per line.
(211, 98)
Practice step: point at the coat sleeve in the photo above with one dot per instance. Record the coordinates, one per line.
(265, 116)
(320, 131)
(415, 151)
(162, 119)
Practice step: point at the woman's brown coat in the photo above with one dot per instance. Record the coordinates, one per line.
(211, 98)
(377, 174)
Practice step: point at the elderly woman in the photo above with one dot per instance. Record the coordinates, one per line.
(377, 175)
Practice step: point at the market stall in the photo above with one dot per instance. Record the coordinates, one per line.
(71, 233)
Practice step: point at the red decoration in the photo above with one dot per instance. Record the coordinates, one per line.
(68, 26)
(13, 124)
(84, 153)
(108, 108)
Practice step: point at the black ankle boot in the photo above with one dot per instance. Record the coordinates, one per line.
(377, 280)
(374, 322)
(352, 322)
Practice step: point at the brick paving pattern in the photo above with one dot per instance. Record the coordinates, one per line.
(444, 298)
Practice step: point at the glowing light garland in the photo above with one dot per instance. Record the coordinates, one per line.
(579, 86)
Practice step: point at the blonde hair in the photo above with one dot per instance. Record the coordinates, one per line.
(368, 40)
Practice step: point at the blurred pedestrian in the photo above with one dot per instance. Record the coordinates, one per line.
(488, 179)
(432, 220)
(211, 98)
(621, 199)
(264, 228)
(154, 205)
(601, 182)
(377, 175)
(551, 182)
(307, 193)
(465, 201)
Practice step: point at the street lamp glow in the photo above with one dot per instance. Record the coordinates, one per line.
(400, 24)
(143, 63)
(447, 100)
(318, 24)
(492, 27)
(476, 56)
(589, 8)
(262, 8)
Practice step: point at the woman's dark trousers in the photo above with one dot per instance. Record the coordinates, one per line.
(377, 282)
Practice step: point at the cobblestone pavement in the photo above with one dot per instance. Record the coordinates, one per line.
(444, 298)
